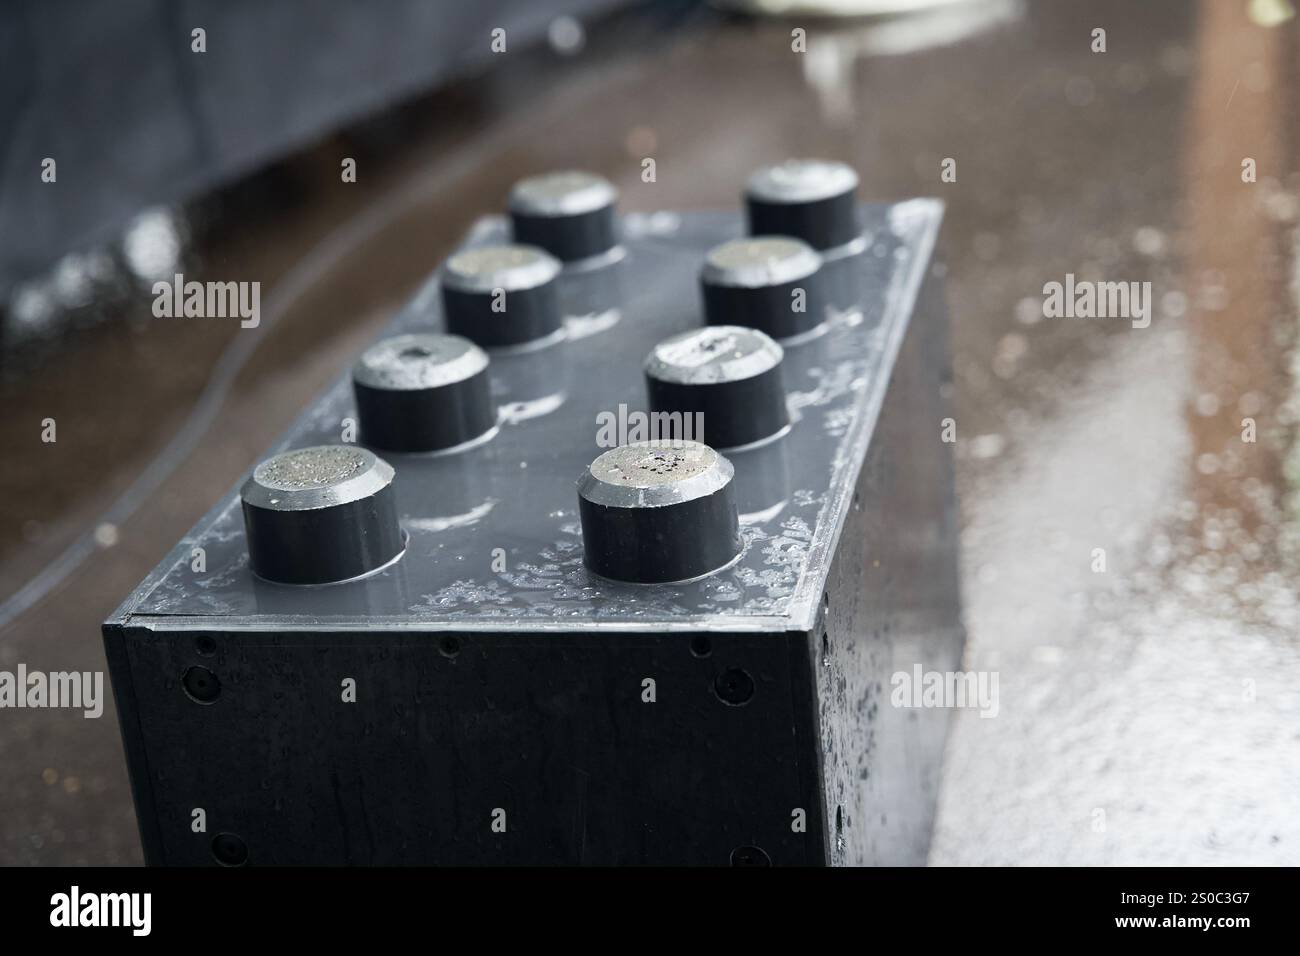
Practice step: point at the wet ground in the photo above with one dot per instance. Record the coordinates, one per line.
(1129, 554)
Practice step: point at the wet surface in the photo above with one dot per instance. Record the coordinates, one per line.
(1148, 711)
(515, 492)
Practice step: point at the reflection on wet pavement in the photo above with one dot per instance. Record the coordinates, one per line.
(1129, 555)
(1149, 709)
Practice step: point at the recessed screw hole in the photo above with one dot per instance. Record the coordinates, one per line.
(229, 850)
(734, 686)
(201, 684)
(701, 646)
(414, 352)
(826, 649)
(750, 856)
(205, 645)
(449, 646)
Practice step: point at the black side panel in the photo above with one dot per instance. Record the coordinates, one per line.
(893, 603)
(448, 730)
(116, 641)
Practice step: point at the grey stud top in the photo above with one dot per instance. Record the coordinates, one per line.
(653, 474)
(508, 267)
(419, 361)
(566, 193)
(801, 180)
(761, 261)
(713, 355)
(323, 476)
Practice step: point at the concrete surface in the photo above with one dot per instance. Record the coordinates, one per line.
(1148, 712)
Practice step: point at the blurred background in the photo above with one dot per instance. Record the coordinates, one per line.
(1150, 711)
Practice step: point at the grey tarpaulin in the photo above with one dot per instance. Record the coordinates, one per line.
(133, 117)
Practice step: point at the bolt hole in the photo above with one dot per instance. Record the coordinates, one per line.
(734, 687)
(701, 646)
(826, 600)
(205, 645)
(826, 649)
(750, 856)
(449, 646)
(857, 501)
(229, 850)
(414, 352)
(839, 821)
(201, 684)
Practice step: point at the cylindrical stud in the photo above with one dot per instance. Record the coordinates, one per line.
(728, 376)
(769, 283)
(810, 199)
(658, 512)
(321, 515)
(501, 295)
(570, 214)
(423, 393)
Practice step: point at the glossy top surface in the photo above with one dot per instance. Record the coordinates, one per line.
(516, 494)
